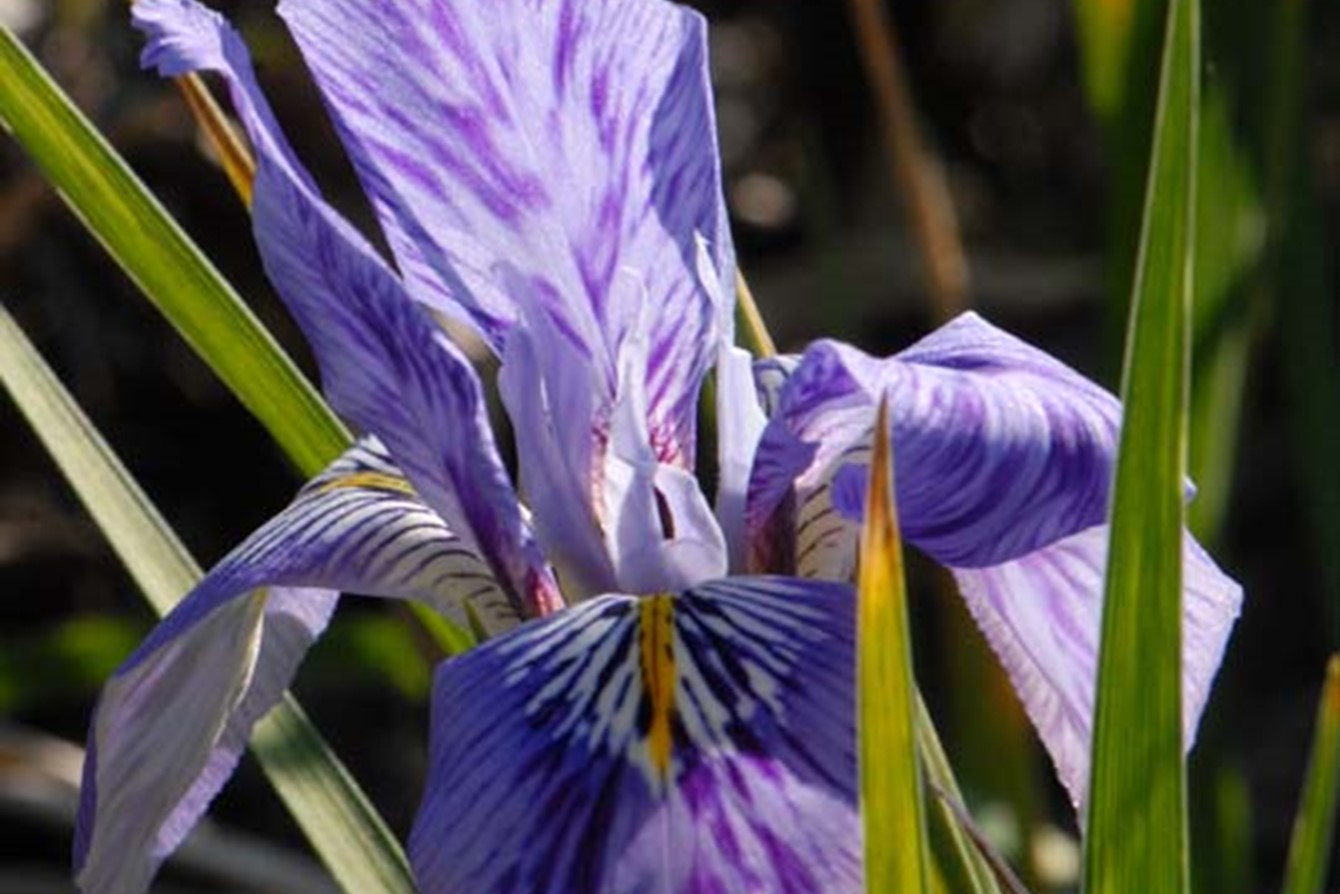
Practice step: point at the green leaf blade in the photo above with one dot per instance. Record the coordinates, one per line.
(345, 830)
(893, 809)
(1312, 846)
(158, 256)
(1137, 829)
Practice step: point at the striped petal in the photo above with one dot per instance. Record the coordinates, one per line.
(1000, 448)
(384, 362)
(551, 147)
(174, 719)
(1004, 460)
(698, 742)
(1042, 614)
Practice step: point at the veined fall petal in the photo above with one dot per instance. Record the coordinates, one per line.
(174, 719)
(701, 741)
(1000, 448)
(1004, 460)
(1042, 614)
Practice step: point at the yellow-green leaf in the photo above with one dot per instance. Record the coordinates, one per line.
(892, 804)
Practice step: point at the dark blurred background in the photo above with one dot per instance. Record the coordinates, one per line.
(1038, 172)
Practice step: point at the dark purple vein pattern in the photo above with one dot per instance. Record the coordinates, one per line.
(1004, 458)
(544, 771)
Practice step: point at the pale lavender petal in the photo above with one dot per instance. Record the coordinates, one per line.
(567, 140)
(561, 433)
(1000, 449)
(610, 509)
(173, 720)
(739, 417)
(770, 377)
(164, 738)
(1042, 614)
(384, 362)
(690, 743)
(659, 529)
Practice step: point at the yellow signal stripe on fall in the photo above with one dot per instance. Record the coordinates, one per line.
(657, 661)
(371, 481)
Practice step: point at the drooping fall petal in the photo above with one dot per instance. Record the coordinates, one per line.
(1004, 459)
(1042, 614)
(696, 742)
(172, 722)
(1000, 448)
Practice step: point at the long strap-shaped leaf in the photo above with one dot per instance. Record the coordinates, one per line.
(1136, 832)
(337, 818)
(1313, 844)
(892, 798)
(162, 260)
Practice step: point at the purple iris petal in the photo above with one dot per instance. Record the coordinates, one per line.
(1042, 614)
(698, 742)
(384, 362)
(546, 171)
(1004, 457)
(172, 722)
(568, 141)
(1000, 449)
(171, 725)
(740, 417)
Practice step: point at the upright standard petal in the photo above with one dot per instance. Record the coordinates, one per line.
(384, 362)
(1042, 614)
(172, 722)
(553, 144)
(698, 742)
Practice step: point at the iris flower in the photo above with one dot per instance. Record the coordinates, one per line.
(665, 696)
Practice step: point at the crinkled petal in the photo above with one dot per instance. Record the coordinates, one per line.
(570, 140)
(1000, 449)
(1042, 614)
(699, 742)
(172, 722)
(384, 362)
